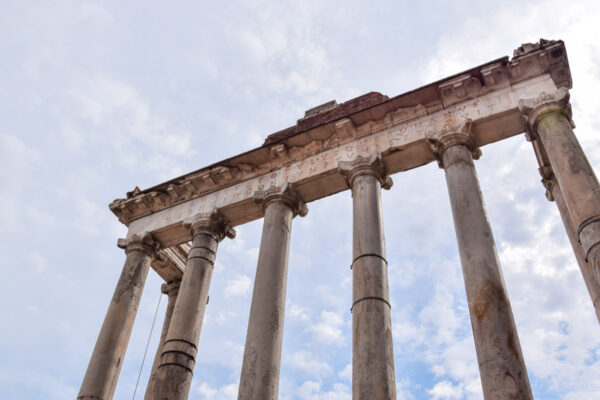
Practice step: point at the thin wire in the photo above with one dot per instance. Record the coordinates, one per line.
(147, 344)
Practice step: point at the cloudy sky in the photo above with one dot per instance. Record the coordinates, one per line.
(98, 97)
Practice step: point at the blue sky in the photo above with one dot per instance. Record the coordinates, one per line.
(98, 97)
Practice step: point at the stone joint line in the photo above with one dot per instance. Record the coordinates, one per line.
(368, 255)
(181, 340)
(180, 352)
(586, 223)
(211, 262)
(370, 298)
(203, 247)
(177, 365)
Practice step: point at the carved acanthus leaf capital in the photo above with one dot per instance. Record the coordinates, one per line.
(453, 135)
(144, 242)
(534, 110)
(372, 165)
(213, 222)
(286, 195)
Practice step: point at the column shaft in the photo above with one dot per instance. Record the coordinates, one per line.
(586, 269)
(577, 180)
(501, 364)
(171, 289)
(105, 364)
(174, 374)
(262, 354)
(549, 117)
(372, 356)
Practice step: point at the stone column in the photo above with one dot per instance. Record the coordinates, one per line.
(105, 364)
(262, 355)
(553, 193)
(501, 364)
(372, 349)
(174, 374)
(548, 118)
(171, 289)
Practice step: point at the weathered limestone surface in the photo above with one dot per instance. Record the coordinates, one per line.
(554, 193)
(174, 374)
(308, 154)
(549, 118)
(586, 269)
(372, 348)
(171, 289)
(105, 364)
(501, 364)
(262, 354)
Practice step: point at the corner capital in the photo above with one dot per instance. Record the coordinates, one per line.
(144, 242)
(213, 222)
(371, 165)
(533, 110)
(170, 288)
(285, 194)
(453, 135)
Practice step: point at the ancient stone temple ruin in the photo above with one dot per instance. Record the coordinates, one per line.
(175, 227)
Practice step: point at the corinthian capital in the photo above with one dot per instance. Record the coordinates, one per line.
(286, 195)
(453, 135)
(372, 165)
(212, 222)
(144, 242)
(534, 110)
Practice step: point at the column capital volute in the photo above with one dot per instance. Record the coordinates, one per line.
(371, 165)
(213, 222)
(453, 135)
(534, 110)
(548, 181)
(144, 242)
(170, 288)
(285, 194)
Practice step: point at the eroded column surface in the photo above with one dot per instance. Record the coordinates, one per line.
(549, 118)
(174, 374)
(262, 354)
(372, 349)
(171, 289)
(501, 364)
(553, 193)
(105, 364)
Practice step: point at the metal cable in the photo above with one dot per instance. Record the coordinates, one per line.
(147, 344)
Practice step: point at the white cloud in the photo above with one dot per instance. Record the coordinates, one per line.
(238, 286)
(298, 312)
(309, 364)
(328, 329)
(226, 392)
(310, 390)
(445, 390)
(346, 373)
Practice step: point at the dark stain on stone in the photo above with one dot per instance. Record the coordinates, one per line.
(130, 278)
(512, 345)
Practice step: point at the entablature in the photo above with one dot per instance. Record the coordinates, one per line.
(308, 153)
